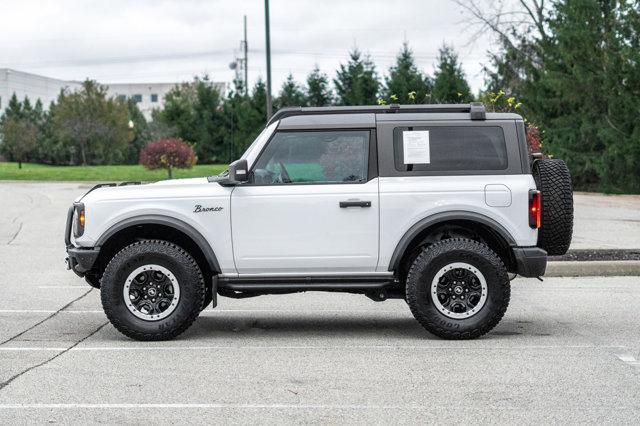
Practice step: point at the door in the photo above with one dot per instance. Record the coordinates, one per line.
(311, 206)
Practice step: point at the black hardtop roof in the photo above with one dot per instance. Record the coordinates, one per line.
(476, 109)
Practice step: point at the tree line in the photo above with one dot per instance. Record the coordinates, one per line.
(570, 67)
(87, 126)
(575, 64)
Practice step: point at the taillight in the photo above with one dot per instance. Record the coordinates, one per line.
(535, 209)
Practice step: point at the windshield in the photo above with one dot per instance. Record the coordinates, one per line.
(252, 152)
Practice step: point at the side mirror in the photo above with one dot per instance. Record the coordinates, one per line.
(239, 171)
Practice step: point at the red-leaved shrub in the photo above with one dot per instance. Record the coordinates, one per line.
(534, 140)
(168, 154)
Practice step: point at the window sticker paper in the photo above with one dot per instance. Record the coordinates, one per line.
(416, 147)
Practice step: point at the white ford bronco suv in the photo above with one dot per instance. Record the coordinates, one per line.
(434, 204)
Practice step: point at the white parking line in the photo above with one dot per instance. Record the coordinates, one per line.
(48, 311)
(211, 311)
(629, 359)
(429, 407)
(291, 347)
(218, 405)
(62, 286)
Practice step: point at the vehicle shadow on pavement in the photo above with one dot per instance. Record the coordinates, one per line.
(309, 325)
(321, 326)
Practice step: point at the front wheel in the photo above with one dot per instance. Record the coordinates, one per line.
(152, 290)
(458, 289)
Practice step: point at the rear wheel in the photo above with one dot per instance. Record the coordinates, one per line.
(152, 290)
(458, 289)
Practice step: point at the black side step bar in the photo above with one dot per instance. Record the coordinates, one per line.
(295, 284)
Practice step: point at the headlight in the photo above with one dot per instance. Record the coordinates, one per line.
(79, 220)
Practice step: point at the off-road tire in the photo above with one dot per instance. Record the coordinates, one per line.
(425, 267)
(170, 256)
(554, 182)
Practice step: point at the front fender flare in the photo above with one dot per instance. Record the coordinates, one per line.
(172, 222)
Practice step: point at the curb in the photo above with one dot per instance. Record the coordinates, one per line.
(603, 268)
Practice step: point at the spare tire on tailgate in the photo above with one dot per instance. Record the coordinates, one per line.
(554, 182)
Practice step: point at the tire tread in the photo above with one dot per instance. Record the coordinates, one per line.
(182, 256)
(427, 256)
(554, 181)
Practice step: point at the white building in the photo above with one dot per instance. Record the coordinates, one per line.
(149, 96)
(32, 86)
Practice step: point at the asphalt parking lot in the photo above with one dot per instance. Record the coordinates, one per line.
(568, 349)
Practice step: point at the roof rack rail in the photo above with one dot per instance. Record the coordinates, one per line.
(476, 109)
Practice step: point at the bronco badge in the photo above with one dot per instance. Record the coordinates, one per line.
(199, 209)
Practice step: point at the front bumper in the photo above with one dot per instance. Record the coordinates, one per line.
(81, 259)
(530, 261)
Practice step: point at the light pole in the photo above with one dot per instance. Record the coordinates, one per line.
(245, 46)
(268, 41)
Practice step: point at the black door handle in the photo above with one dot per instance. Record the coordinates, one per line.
(345, 204)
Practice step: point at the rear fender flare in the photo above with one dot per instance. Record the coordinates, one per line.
(438, 218)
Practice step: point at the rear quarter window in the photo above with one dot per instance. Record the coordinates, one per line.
(451, 148)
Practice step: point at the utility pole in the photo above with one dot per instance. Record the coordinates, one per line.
(246, 64)
(268, 40)
(239, 65)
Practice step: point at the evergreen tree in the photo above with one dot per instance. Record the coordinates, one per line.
(37, 115)
(20, 128)
(586, 95)
(357, 82)
(245, 118)
(291, 94)
(576, 69)
(318, 90)
(259, 101)
(450, 84)
(13, 110)
(406, 84)
(195, 111)
(51, 149)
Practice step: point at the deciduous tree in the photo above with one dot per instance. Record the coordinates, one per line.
(19, 137)
(92, 123)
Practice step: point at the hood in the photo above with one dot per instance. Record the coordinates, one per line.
(179, 182)
(175, 188)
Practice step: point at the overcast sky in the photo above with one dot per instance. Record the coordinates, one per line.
(171, 40)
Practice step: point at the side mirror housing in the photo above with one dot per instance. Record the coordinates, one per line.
(239, 171)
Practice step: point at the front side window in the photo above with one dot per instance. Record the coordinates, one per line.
(335, 156)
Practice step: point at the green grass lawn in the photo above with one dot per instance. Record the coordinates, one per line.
(41, 172)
